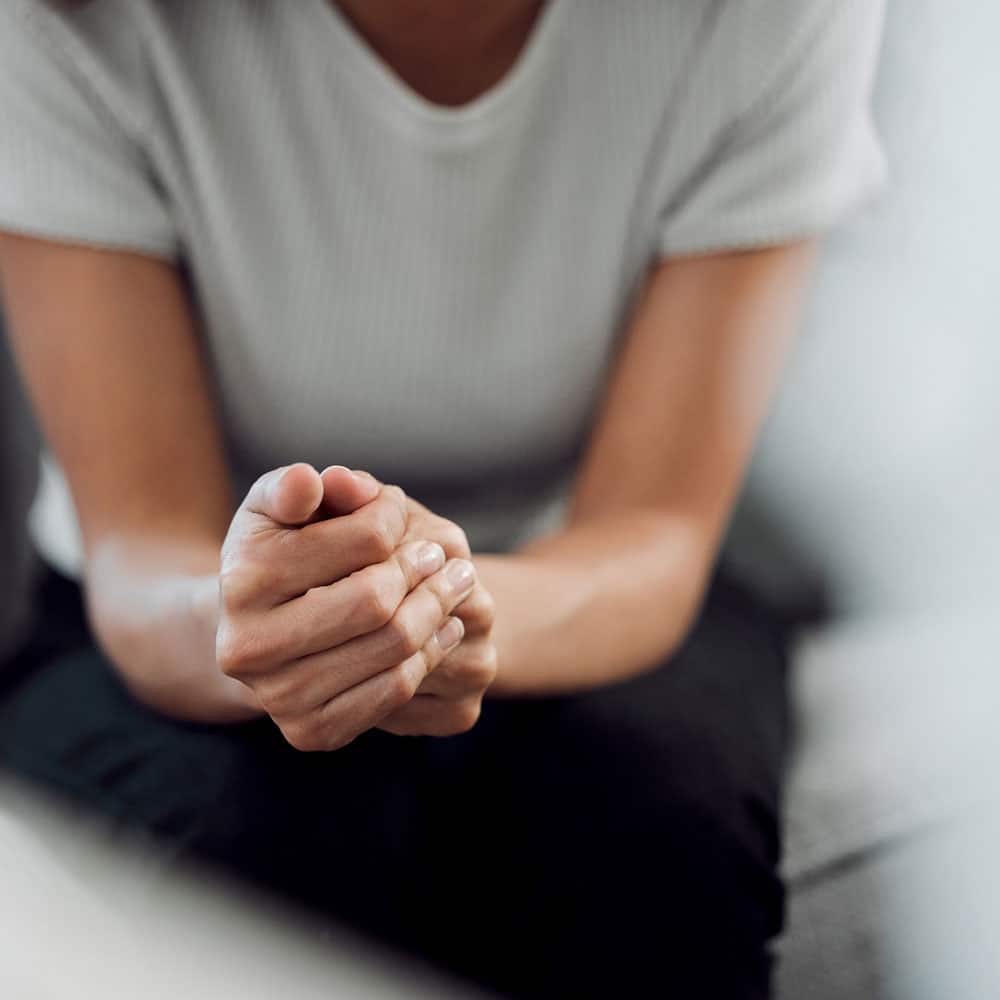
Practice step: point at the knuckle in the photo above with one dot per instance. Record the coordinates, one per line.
(405, 568)
(303, 735)
(441, 598)
(277, 697)
(239, 585)
(284, 548)
(381, 541)
(333, 728)
(483, 668)
(340, 741)
(227, 661)
(396, 495)
(402, 637)
(486, 607)
(376, 605)
(402, 687)
(475, 670)
(454, 540)
(233, 652)
(478, 611)
(243, 651)
(463, 715)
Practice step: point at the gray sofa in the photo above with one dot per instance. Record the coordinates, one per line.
(879, 469)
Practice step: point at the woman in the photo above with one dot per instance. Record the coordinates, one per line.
(538, 265)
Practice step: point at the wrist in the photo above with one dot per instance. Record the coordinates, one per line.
(537, 600)
(156, 622)
(189, 685)
(593, 605)
(196, 696)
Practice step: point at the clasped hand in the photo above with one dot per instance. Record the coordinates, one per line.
(346, 606)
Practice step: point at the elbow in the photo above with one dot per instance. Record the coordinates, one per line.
(121, 609)
(684, 571)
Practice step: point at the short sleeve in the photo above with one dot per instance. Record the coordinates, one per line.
(70, 168)
(803, 151)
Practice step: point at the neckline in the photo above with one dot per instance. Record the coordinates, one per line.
(397, 93)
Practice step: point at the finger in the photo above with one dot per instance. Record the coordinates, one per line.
(299, 692)
(338, 722)
(341, 720)
(311, 634)
(346, 646)
(429, 715)
(422, 612)
(266, 568)
(344, 491)
(367, 704)
(286, 496)
(477, 611)
(430, 525)
(471, 668)
(334, 548)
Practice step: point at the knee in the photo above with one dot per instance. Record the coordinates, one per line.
(655, 853)
(645, 766)
(73, 728)
(661, 809)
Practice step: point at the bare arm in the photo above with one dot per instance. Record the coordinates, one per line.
(107, 346)
(306, 602)
(113, 364)
(616, 590)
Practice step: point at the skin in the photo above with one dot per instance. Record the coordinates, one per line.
(328, 600)
(438, 49)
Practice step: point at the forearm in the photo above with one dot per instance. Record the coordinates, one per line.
(591, 605)
(154, 608)
(596, 603)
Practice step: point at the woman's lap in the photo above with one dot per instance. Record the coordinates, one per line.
(624, 839)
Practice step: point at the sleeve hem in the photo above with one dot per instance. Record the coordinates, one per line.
(755, 232)
(84, 233)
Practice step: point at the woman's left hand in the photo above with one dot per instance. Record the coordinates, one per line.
(450, 698)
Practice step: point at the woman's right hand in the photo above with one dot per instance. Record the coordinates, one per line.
(329, 620)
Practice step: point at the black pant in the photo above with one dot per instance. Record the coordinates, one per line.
(620, 843)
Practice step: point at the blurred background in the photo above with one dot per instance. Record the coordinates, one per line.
(878, 481)
(870, 513)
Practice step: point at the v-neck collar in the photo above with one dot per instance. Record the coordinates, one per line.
(381, 81)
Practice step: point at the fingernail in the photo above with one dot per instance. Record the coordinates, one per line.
(460, 575)
(339, 468)
(430, 558)
(450, 634)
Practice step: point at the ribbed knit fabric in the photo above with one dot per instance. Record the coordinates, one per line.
(431, 293)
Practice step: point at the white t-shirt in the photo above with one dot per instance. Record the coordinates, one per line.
(434, 294)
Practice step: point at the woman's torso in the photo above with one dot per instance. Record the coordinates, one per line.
(431, 293)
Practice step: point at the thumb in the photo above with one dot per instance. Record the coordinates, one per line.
(290, 496)
(345, 491)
